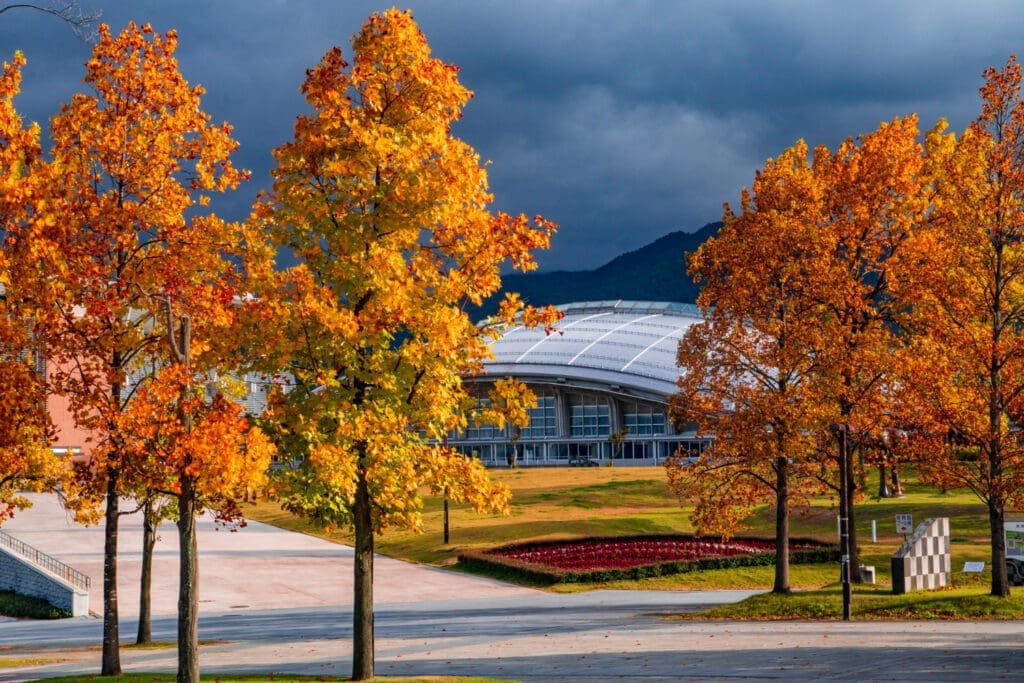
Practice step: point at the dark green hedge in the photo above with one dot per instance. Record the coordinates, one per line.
(22, 606)
(489, 563)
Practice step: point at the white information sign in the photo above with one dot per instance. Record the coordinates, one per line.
(904, 524)
(1013, 533)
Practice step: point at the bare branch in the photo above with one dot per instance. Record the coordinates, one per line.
(82, 22)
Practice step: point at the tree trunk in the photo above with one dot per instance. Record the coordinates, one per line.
(446, 536)
(781, 526)
(145, 634)
(1000, 581)
(855, 576)
(883, 486)
(111, 662)
(188, 586)
(897, 487)
(362, 612)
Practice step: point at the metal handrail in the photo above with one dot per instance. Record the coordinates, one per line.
(44, 561)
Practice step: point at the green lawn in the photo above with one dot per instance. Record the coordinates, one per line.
(552, 503)
(872, 603)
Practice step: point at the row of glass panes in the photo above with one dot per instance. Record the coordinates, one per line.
(645, 424)
(537, 453)
(584, 420)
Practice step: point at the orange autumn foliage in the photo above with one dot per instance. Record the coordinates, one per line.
(388, 215)
(799, 298)
(118, 236)
(26, 461)
(176, 432)
(967, 348)
(387, 211)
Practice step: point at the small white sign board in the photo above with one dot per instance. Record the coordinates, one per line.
(976, 567)
(904, 524)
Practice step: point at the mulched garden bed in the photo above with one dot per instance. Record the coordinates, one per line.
(610, 559)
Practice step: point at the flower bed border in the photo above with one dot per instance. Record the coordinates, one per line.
(487, 562)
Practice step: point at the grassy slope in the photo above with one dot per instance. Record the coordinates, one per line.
(554, 503)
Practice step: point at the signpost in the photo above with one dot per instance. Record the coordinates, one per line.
(904, 525)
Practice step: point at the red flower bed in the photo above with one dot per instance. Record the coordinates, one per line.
(623, 553)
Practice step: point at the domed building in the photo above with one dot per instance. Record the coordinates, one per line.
(603, 382)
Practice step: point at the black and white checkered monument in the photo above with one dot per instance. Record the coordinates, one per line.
(923, 561)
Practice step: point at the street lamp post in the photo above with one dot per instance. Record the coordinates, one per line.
(842, 432)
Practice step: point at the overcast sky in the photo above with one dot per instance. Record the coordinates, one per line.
(622, 121)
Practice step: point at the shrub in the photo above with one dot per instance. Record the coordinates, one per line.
(22, 606)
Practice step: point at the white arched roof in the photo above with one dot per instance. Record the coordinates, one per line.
(627, 346)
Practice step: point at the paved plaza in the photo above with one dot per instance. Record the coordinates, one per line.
(275, 601)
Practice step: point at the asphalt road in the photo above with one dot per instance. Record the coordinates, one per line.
(288, 609)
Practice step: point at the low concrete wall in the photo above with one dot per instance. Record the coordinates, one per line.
(24, 578)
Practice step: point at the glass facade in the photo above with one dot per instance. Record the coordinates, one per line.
(575, 427)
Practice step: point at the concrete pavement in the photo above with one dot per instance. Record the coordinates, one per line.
(280, 602)
(259, 567)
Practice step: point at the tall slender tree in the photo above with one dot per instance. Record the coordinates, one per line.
(800, 338)
(967, 275)
(387, 213)
(876, 198)
(119, 233)
(749, 370)
(202, 453)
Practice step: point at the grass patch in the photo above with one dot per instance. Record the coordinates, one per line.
(871, 603)
(22, 606)
(592, 501)
(28, 661)
(547, 502)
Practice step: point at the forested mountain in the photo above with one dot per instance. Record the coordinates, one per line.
(655, 272)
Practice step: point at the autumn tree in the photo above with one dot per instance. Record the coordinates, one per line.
(120, 232)
(203, 453)
(748, 370)
(804, 282)
(155, 509)
(875, 197)
(26, 461)
(387, 214)
(968, 275)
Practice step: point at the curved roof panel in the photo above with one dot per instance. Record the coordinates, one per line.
(624, 344)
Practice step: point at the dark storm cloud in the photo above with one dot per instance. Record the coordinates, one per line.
(620, 120)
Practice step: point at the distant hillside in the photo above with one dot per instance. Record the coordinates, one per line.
(656, 272)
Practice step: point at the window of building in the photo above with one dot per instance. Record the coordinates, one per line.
(590, 419)
(636, 450)
(543, 421)
(479, 431)
(531, 452)
(645, 421)
(687, 448)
